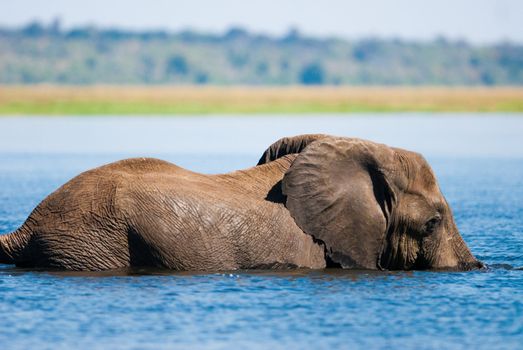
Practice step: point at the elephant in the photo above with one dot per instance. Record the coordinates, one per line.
(313, 201)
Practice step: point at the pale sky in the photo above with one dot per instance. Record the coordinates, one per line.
(478, 21)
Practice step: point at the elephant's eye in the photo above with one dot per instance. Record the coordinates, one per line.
(431, 225)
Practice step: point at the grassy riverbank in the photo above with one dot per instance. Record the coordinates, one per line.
(165, 100)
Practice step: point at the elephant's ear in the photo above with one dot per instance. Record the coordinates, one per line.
(337, 191)
(288, 145)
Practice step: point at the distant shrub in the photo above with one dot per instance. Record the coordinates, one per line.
(366, 50)
(312, 74)
(201, 78)
(34, 29)
(262, 68)
(284, 64)
(236, 33)
(238, 59)
(177, 65)
(293, 36)
(487, 78)
(81, 33)
(510, 57)
(90, 63)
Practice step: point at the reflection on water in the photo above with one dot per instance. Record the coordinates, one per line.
(291, 309)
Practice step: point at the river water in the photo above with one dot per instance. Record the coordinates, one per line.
(478, 160)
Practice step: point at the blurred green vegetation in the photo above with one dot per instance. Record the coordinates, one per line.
(40, 53)
(174, 100)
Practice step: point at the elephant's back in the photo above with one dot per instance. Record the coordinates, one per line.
(141, 165)
(98, 187)
(96, 190)
(82, 218)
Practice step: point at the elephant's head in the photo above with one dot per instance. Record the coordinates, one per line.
(372, 206)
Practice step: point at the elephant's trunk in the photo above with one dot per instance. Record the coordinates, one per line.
(11, 245)
(465, 259)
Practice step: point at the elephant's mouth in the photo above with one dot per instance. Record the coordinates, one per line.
(474, 265)
(421, 264)
(418, 264)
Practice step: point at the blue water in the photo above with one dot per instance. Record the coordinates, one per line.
(478, 161)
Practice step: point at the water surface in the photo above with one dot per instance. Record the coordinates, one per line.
(478, 161)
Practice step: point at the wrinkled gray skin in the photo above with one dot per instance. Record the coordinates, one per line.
(312, 201)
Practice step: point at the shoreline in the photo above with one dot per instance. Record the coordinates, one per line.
(56, 100)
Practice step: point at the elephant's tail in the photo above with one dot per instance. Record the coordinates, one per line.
(11, 245)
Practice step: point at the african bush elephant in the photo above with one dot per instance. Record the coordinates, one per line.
(312, 201)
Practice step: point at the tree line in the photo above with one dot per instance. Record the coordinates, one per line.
(47, 53)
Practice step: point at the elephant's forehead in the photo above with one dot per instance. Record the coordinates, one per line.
(426, 189)
(417, 171)
(424, 178)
